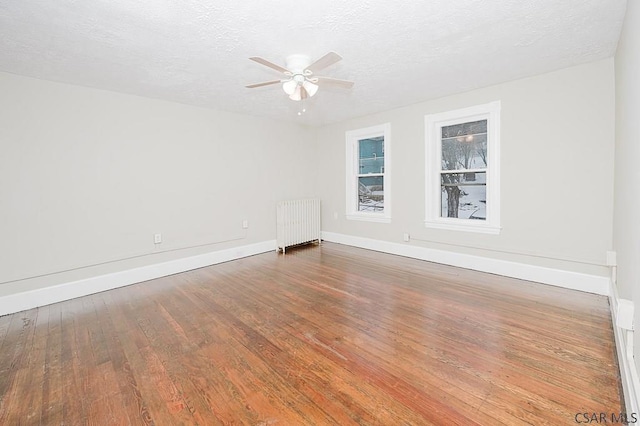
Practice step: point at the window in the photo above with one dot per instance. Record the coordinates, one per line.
(368, 178)
(462, 176)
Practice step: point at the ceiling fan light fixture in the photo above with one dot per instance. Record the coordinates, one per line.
(297, 94)
(289, 87)
(311, 88)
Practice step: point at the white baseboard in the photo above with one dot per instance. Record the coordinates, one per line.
(44, 296)
(567, 279)
(620, 313)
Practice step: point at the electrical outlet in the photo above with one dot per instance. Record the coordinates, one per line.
(157, 239)
(245, 224)
(405, 237)
(611, 258)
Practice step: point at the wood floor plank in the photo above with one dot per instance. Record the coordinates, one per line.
(272, 359)
(116, 330)
(51, 412)
(30, 374)
(91, 354)
(5, 322)
(138, 344)
(319, 319)
(74, 406)
(14, 360)
(230, 358)
(35, 368)
(325, 334)
(307, 345)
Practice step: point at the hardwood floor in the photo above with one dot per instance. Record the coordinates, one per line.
(324, 335)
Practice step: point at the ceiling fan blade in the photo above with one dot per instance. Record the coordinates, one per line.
(270, 64)
(328, 59)
(334, 82)
(265, 83)
(303, 93)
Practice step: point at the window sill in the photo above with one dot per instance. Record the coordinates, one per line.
(369, 217)
(466, 227)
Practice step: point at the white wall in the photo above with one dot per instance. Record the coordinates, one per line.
(557, 149)
(88, 176)
(626, 229)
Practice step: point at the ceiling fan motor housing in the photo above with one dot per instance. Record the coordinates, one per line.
(298, 63)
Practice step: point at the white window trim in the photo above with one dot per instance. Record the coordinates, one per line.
(352, 138)
(433, 124)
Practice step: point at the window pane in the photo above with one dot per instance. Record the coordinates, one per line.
(464, 146)
(371, 194)
(371, 155)
(464, 195)
(470, 128)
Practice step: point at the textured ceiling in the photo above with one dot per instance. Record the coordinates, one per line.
(398, 53)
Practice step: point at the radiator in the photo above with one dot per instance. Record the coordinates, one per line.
(298, 222)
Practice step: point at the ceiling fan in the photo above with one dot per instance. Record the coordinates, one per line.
(300, 81)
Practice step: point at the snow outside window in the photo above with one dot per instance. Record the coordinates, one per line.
(368, 177)
(462, 176)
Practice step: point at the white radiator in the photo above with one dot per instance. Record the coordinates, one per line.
(298, 222)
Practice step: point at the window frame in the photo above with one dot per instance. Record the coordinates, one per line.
(433, 169)
(353, 137)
